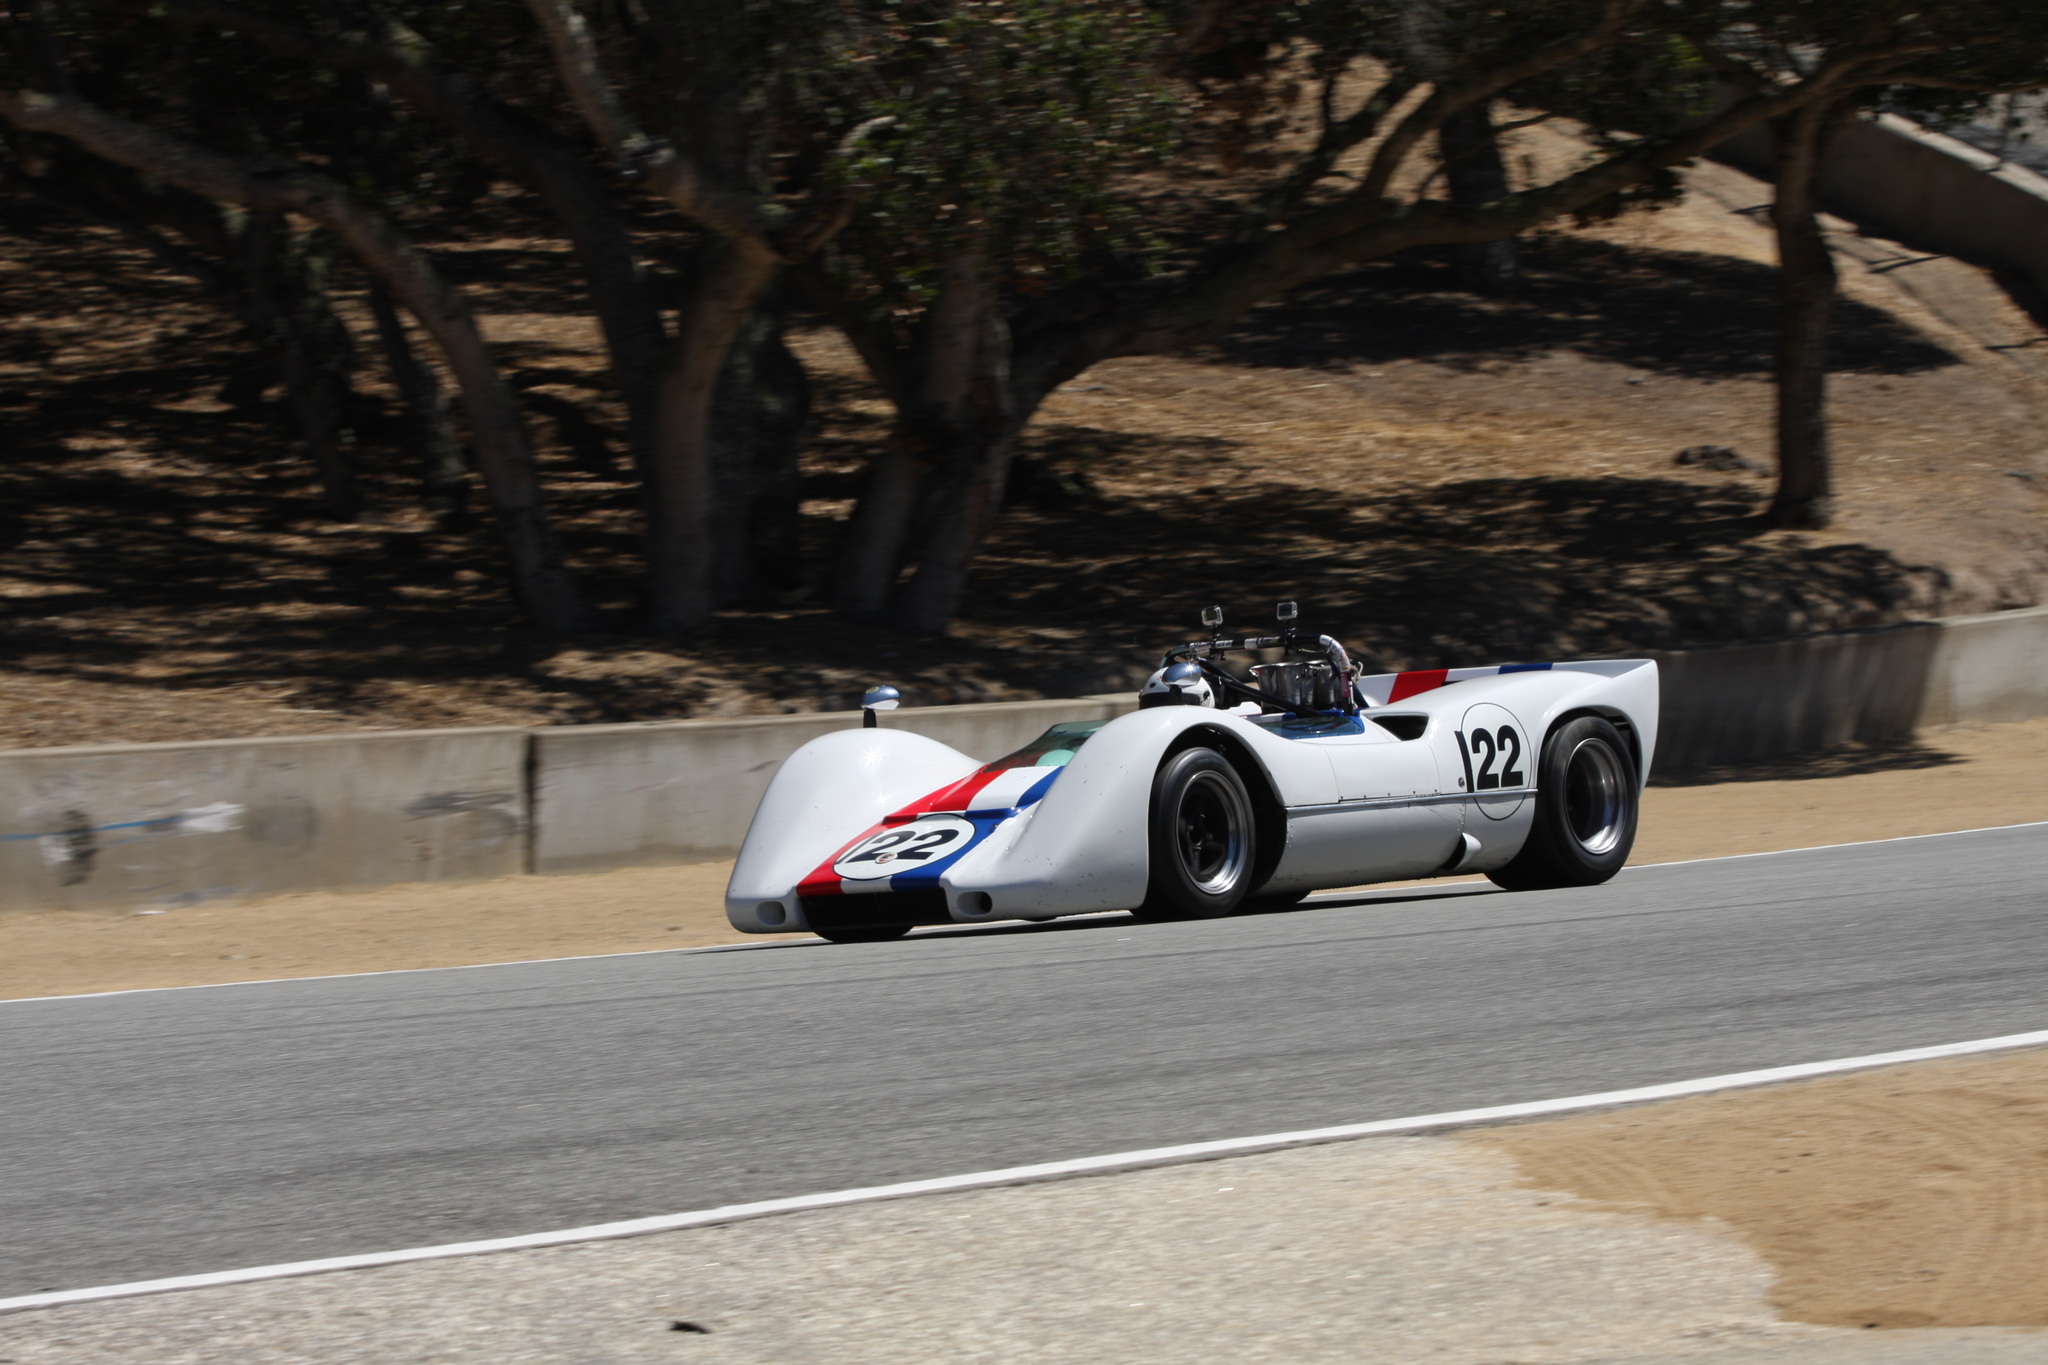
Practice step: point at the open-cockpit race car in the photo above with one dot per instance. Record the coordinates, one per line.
(1228, 787)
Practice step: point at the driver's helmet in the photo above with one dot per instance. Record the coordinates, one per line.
(1180, 684)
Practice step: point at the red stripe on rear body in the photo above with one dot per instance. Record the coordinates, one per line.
(1422, 680)
(954, 796)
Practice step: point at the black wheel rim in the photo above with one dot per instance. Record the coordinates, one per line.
(1209, 829)
(1595, 796)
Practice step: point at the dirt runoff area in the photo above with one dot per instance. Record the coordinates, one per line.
(1962, 777)
(1914, 1196)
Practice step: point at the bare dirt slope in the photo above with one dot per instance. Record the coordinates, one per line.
(1443, 479)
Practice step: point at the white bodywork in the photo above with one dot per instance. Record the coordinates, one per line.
(1342, 801)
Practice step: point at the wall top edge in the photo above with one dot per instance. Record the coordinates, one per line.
(277, 741)
(2019, 177)
(1989, 617)
(1895, 628)
(849, 719)
(543, 734)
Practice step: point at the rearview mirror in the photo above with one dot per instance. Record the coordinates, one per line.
(882, 698)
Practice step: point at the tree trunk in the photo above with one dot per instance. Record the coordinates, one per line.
(730, 281)
(759, 418)
(963, 515)
(969, 419)
(290, 306)
(1806, 283)
(429, 434)
(1476, 175)
(934, 434)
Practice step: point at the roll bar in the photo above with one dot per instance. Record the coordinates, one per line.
(1204, 652)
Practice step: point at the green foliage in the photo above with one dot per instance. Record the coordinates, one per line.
(1010, 125)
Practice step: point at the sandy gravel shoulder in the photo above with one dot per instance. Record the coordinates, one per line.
(1913, 1196)
(1951, 779)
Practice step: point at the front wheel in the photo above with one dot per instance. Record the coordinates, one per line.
(866, 933)
(1201, 839)
(1586, 807)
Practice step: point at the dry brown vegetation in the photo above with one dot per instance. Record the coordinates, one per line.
(1442, 479)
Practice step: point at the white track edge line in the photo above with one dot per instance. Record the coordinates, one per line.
(1821, 848)
(1019, 1175)
(791, 942)
(813, 942)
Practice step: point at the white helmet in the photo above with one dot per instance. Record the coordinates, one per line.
(1180, 684)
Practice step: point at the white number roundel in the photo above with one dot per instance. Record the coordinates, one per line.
(1498, 764)
(904, 849)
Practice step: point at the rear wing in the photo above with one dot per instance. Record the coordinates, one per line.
(1384, 689)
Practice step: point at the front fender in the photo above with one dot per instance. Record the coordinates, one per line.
(1086, 848)
(825, 794)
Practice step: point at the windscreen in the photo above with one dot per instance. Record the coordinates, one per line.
(1050, 749)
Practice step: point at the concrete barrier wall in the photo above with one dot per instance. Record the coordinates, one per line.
(120, 826)
(139, 825)
(620, 795)
(1989, 668)
(1744, 702)
(1926, 189)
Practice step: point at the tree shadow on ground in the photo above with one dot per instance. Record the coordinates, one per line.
(1479, 571)
(152, 538)
(1841, 760)
(1676, 312)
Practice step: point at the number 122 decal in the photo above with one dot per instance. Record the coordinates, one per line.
(904, 848)
(1493, 746)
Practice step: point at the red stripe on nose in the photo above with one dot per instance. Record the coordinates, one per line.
(957, 796)
(953, 796)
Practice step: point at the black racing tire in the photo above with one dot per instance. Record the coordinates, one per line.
(1203, 839)
(1586, 808)
(866, 933)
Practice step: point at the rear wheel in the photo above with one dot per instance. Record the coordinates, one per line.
(1586, 807)
(867, 933)
(1202, 840)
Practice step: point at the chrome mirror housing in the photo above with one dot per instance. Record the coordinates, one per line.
(881, 698)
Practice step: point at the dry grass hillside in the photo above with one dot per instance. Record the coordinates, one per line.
(1440, 478)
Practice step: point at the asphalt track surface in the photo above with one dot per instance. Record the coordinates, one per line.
(175, 1132)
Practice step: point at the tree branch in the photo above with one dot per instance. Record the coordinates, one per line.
(503, 455)
(1336, 139)
(1340, 234)
(742, 218)
(553, 166)
(1448, 99)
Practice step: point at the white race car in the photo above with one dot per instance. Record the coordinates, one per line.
(1223, 789)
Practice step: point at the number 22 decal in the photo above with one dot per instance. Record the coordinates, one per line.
(1494, 745)
(1502, 746)
(903, 849)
